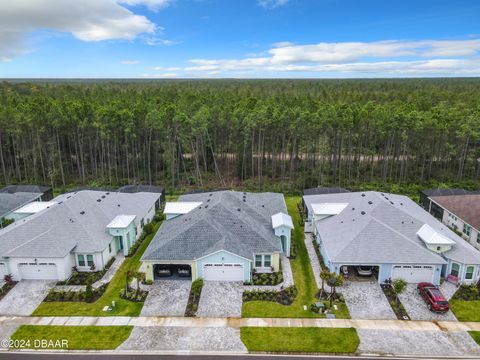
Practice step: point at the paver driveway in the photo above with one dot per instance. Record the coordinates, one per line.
(220, 299)
(25, 297)
(366, 300)
(184, 339)
(167, 298)
(417, 343)
(417, 308)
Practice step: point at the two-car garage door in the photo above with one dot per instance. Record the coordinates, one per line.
(413, 273)
(40, 271)
(223, 272)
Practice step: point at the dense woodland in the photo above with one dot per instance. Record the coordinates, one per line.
(285, 133)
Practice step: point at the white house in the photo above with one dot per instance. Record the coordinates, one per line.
(84, 229)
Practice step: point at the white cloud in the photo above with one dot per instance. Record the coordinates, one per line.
(447, 57)
(129, 62)
(161, 68)
(153, 5)
(87, 20)
(272, 4)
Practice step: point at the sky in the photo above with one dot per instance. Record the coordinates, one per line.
(239, 38)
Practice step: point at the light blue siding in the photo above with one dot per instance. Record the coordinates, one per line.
(323, 252)
(224, 257)
(385, 272)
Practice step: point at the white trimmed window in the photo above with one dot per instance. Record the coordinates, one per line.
(263, 261)
(81, 260)
(467, 229)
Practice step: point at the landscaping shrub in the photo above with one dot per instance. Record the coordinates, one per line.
(270, 279)
(467, 293)
(76, 296)
(134, 295)
(9, 284)
(194, 297)
(285, 296)
(85, 277)
(293, 250)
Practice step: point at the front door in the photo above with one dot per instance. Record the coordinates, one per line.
(283, 239)
(119, 243)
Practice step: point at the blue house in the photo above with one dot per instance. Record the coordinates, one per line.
(391, 234)
(220, 236)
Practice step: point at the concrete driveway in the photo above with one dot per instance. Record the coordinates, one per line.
(220, 299)
(366, 300)
(167, 298)
(417, 308)
(25, 297)
(417, 343)
(184, 339)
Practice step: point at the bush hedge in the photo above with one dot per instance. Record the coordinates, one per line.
(285, 296)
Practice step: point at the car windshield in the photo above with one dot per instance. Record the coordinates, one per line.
(365, 268)
(442, 303)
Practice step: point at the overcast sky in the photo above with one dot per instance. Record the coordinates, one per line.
(239, 38)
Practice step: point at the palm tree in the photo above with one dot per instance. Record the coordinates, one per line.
(398, 287)
(139, 276)
(324, 275)
(334, 281)
(128, 279)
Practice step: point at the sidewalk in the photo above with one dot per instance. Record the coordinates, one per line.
(154, 321)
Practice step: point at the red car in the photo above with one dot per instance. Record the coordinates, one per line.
(433, 297)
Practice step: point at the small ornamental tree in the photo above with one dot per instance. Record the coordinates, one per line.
(398, 287)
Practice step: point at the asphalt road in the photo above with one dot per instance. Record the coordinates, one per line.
(70, 356)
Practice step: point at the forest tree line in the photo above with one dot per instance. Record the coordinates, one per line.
(292, 133)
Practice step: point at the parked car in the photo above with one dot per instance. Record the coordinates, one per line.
(433, 297)
(364, 270)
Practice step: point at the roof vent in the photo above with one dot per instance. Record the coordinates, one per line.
(68, 197)
(210, 194)
(103, 196)
(403, 222)
(108, 193)
(382, 194)
(353, 208)
(401, 204)
(386, 198)
(206, 206)
(341, 221)
(391, 202)
(238, 209)
(208, 200)
(99, 200)
(370, 202)
(82, 212)
(263, 205)
(363, 213)
(118, 205)
(363, 195)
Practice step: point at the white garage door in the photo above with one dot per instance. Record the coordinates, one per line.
(223, 272)
(40, 271)
(3, 271)
(413, 273)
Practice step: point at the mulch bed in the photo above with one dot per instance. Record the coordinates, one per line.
(6, 288)
(395, 303)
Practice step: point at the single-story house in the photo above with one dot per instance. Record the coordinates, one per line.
(392, 234)
(132, 189)
(9, 203)
(431, 207)
(47, 192)
(461, 213)
(83, 230)
(221, 236)
(320, 191)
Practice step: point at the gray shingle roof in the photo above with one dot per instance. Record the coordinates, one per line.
(324, 190)
(386, 232)
(57, 230)
(11, 202)
(227, 220)
(141, 188)
(11, 189)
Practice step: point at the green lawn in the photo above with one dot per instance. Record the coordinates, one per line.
(303, 277)
(122, 308)
(465, 310)
(475, 335)
(311, 339)
(77, 337)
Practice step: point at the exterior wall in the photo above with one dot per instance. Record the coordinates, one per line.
(17, 216)
(64, 266)
(128, 235)
(276, 262)
(462, 272)
(171, 216)
(98, 260)
(323, 252)
(223, 257)
(455, 222)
